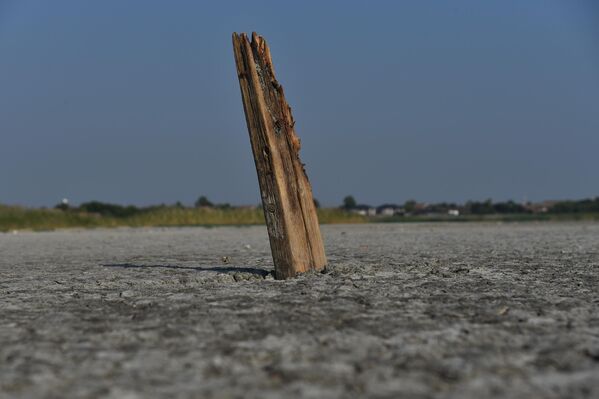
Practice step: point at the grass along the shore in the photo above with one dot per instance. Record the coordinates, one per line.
(20, 218)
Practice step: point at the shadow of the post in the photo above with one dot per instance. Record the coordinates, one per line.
(214, 269)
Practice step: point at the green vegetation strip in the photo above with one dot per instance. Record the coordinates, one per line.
(20, 218)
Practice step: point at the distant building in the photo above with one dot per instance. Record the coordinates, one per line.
(540, 207)
(389, 210)
(453, 212)
(364, 210)
(386, 212)
(420, 207)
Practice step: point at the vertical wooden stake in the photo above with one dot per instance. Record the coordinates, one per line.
(291, 218)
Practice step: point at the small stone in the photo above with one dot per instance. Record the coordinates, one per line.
(503, 311)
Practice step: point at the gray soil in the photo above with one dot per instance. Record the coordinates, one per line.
(404, 310)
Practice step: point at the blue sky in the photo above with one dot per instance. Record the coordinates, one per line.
(138, 101)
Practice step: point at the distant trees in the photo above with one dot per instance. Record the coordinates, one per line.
(489, 207)
(509, 207)
(349, 203)
(443, 207)
(203, 202)
(582, 206)
(479, 208)
(62, 205)
(409, 206)
(120, 211)
(106, 209)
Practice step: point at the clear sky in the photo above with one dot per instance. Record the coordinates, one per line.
(138, 101)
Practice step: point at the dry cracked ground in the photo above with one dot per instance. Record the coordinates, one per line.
(404, 310)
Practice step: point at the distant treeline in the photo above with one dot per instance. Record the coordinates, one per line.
(105, 209)
(487, 207)
(582, 206)
(100, 214)
(478, 208)
(126, 211)
(205, 213)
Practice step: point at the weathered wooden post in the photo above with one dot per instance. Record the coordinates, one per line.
(289, 209)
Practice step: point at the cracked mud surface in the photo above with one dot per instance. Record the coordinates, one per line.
(404, 310)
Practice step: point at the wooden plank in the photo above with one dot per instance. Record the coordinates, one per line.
(289, 209)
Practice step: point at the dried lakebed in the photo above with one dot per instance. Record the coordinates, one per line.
(404, 310)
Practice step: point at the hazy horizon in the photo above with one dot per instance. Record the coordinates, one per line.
(258, 204)
(138, 102)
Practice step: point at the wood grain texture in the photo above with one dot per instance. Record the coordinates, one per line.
(289, 209)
